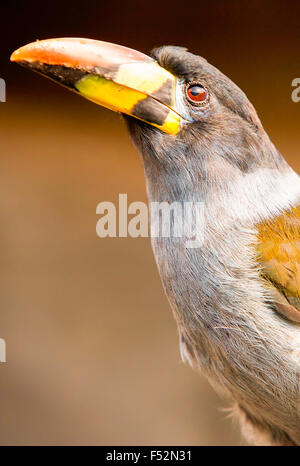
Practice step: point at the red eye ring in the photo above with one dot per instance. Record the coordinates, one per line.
(196, 94)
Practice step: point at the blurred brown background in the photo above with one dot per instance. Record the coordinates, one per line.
(92, 350)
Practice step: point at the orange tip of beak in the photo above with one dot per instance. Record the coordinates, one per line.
(77, 53)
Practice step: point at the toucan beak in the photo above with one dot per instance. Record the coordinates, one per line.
(110, 75)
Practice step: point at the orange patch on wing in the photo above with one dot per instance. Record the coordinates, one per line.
(279, 251)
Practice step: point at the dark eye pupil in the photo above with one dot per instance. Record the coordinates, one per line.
(196, 93)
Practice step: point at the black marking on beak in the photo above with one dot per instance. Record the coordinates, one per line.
(151, 111)
(61, 74)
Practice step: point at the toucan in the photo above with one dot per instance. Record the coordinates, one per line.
(236, 296)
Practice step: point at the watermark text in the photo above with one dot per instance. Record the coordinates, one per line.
(2, 90)
(296, 91)
(2, 350)
(161, 220)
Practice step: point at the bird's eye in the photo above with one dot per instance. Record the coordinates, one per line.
(196, 94)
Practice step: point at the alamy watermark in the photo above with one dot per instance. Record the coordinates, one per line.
(2, 90)
(296, 91)
(2, 350)
(183, 220)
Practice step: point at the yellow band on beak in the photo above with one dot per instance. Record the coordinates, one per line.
(130, 101)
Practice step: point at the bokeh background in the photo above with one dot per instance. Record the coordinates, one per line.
(92, 350)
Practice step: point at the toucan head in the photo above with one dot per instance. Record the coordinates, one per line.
(173, 100)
